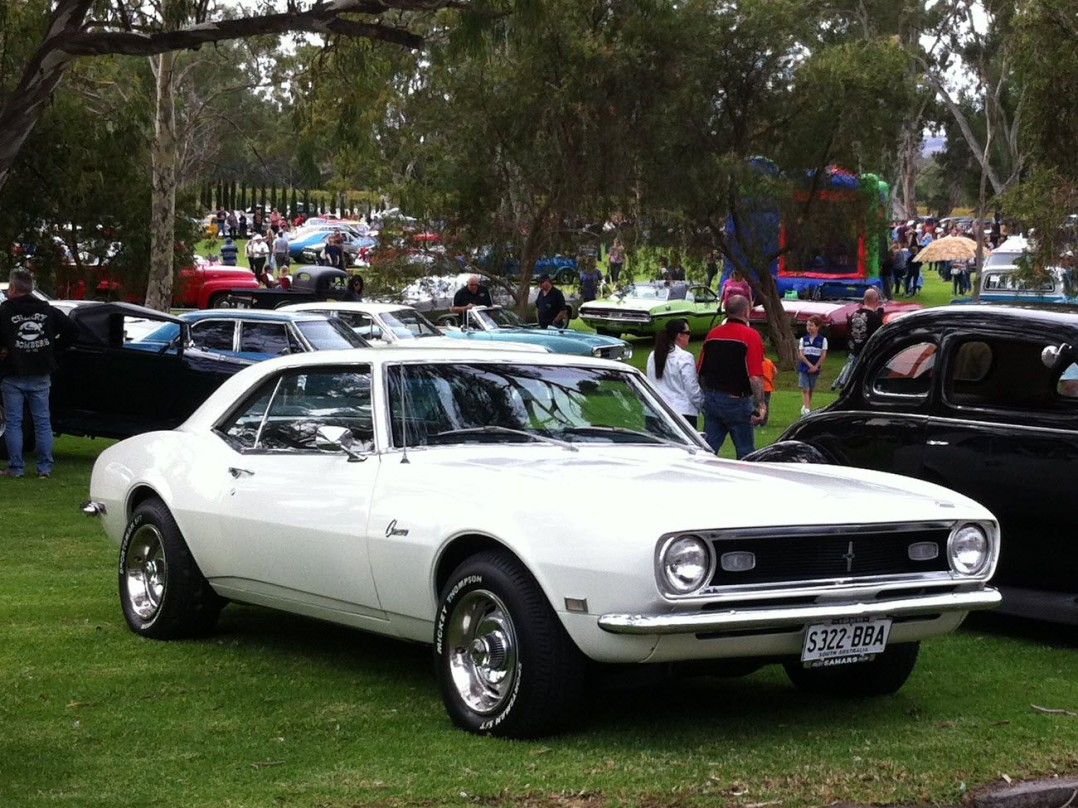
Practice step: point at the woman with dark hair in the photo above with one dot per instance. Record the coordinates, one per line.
(672, 369)
(354, 291)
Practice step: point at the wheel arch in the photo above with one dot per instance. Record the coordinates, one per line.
(138, 495)
(462, 547)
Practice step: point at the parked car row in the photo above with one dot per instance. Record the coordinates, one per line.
(836, 575)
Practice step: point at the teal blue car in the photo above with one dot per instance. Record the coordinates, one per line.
(644, 309)
(495, 324)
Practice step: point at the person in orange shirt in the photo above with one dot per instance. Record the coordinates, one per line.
(770, 372)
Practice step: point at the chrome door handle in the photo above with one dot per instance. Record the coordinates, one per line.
(238, 472)
(938, 443)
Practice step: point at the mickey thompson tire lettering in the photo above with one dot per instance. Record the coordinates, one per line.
(505, 665)
(163, 593)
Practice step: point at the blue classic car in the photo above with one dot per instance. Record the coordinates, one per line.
(497, 324)
(253, 334)
(306, 244)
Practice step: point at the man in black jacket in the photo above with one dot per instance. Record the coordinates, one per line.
(31, 331)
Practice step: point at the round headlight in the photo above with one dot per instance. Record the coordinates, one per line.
(967, 549)
(686, 564)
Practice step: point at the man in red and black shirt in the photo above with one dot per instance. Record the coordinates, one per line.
(731, 371)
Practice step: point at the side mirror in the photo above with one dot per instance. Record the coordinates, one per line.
(338, 438)
(1054, 355)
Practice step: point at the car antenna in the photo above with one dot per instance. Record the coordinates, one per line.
(404, 417)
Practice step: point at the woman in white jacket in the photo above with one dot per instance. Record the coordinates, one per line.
(672, 369)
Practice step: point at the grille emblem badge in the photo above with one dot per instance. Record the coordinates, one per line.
(849, 557)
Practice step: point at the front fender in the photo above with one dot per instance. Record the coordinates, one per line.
(788, 451)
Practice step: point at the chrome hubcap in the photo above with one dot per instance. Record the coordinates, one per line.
(145, 572)
(482, 652)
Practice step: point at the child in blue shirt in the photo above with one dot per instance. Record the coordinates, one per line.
(811, 350)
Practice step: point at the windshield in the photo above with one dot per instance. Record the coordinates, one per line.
(329, 335)
(441, 404)
(498, 318)
(646, 291)
(409, 324)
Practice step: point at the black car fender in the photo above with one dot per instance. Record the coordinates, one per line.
(788, 451)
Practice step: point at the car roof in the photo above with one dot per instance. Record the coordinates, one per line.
(225, 396)
(1061, 315)
(264, 315)
(347, 305)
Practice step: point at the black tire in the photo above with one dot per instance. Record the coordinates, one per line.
(505, 665)
(162, 591)
(878, 677)
(220, 301)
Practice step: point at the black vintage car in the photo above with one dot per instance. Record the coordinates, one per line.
(983, 400)
(109, 385)
(308, 284)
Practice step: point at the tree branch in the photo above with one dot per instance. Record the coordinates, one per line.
(69, 37)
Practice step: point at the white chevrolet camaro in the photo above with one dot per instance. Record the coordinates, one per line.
(452, 497)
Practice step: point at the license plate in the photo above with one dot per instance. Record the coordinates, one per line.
(843, 641)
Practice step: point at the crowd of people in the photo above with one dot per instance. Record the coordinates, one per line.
(901, 273)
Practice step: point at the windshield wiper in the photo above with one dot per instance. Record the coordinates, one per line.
(504, 430)
(615, 430)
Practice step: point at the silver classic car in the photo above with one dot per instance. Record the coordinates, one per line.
(429, 529)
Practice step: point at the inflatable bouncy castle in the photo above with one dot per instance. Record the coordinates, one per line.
(845, 238)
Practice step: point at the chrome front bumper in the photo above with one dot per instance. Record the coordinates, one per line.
(778, 617)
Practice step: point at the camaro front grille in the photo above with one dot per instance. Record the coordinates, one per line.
(816, 556)
(617, 314)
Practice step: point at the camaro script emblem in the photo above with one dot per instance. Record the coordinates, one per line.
(393, 530)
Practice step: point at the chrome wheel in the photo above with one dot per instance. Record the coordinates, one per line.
(145, 572)
(482, 656)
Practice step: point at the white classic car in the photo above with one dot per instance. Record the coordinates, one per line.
(393, 324)
(427, 465)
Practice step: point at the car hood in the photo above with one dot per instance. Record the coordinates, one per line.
(581, 337)
(709, 492)
(629, 304)
(830, 309)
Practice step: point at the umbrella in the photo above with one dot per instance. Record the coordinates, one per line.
(948, 248)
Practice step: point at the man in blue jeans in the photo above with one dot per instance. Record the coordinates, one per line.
(31, 331)
(732, 379)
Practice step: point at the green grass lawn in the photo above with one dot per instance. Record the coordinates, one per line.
(279, 711)
(274, 710)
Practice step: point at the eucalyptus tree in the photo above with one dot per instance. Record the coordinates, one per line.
(1046, 63)
(769, 78)
(517, 140)
(134, 28)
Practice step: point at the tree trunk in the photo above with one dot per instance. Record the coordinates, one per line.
(163, 191)
(778, 324)
(906, 180)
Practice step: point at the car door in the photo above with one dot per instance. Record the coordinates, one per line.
(293, 518)
(110, 386)
(1006, 434)
(881, 419)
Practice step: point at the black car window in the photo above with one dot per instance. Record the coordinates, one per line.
(214, 335)
(266, 338)
(285, 412)
(908, 372)
(1001, 372)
